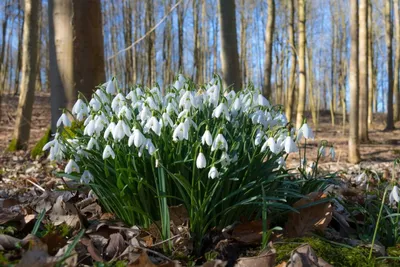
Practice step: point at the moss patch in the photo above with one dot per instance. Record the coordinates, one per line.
(335, 255)
(12, 146)
(37, 150)
(70, 132)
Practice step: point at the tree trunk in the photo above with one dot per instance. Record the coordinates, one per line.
(180, 39)
(29, 68)
(354, 153)
(388, 38)
(370, 64)
(127, 15)
(292, 74)
(302, 63)
(229, 51)
(75, 66)
(396, 85)
(269, 35)
(243, 40)
(363, 71)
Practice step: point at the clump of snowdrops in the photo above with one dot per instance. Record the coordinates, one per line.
(218, 152)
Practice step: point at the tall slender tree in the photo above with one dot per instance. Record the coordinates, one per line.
(229, 47)
(354, 152)
(302, 62)
(269, 36)
(29, 72)
(396, 84)
(389, 52)
(293, 62)
(363, 70)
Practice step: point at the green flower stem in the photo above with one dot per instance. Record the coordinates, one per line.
(377, 223)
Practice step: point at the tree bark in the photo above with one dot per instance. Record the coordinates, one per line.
(363, 71)
(29, 72)
(396, 85)
(302, 63)
(292, 74)
(388, 38)
(354, 153)
(269, 35)
(370, 65)
(229, 47)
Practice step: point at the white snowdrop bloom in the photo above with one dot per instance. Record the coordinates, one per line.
(181, 132)
(230, 97)
(236, 106)
(79, 110)
(110, 129)
(136, 138)
(118, 102)
(100, 123)
(166, 119)
(186, 101)
(290, 145)
(178, 85)
(305, 131)
(201, 161)
(273, 146)
(125, 112)
(144, 114)
(207, 138)
(322, 151)
(259, 117)
(88, 119)
(181, 78)
(90, 128)
(259, 138)
(221, 109)
(212, 95)
(150, 147)
(171, 108)
(132, 96)
(139, 92)
(95, 104)
(71, 167)
(101, 96)
(86, 177)
(64, 120)
(361, 179)
(120, 130)
(281, 118)
(110, 88)
(137, 105)
(152, 104)
(225, 159)
(219, 143)
(156, 92)
(213, 173)
(183, 113)
(191, 123)
(92, 143)
(49, 145)
(108, 152)
(262, 101)
(281, 161)
(394, 195)
(154, 125)
(332, 152)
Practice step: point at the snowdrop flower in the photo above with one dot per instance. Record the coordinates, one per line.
(305, 131)
(171, 108)
(186, 100)
(110, 129)
(322, 151)
(120, 130)
(230, 97)
(201, 161)
(108, 152)
(110, 87)
(166, 120)
(150, 147)
(332, 152)
(90, 128)
(225, 160)
(361, 179)
(100, 123)
(290, 145)
(71, 167)
(86, 177)
(178, 85)
(219, 143)
(181, 132)
(100, 95)
(394, 195)
(92, 143)
(221, 109)
(95, 104)
(152, 104)
(137, 138)
(259, 137)
(207, 138)
(132, 96)
(118, 102)
(144, 114)
(213, 173)
(273, 146)
(213, 95)
(79, 110)
(154, 125)
(262, 101)
(281, 161)
(64, 120)
(125, 112)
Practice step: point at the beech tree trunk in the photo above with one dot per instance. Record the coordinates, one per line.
(292, 73)
(396, 85)
(354, 152)
(388, 38)
(302, 63)
(29, 72)
(269, 37)
(229, 47)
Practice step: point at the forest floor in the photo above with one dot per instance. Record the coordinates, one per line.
(28, 186)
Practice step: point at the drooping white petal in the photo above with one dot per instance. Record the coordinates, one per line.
(201, 161)
(219, 143)
(213, 173)
(87, 177)
(71, 167)
(110, 87)
(290, 145)
(92, 143)
(207, 138)
(63, 120)
(108, 152)
(394, 195)
(110, 129)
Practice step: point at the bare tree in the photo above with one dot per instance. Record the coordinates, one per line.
(229, 50)
(396, 85)
(29, 72)
(363, 71)
(302, 62)
(269, 35)
(388, 38)
(354, 152)
(292, 74)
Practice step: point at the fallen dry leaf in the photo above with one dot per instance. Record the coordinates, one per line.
(8, 242)
(316, 217)
(115, 246)
(36, 258)
(304, 256)
(94, 253)
(249, 232)
(265, 259)
(64, 212)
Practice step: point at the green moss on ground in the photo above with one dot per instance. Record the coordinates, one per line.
(333, 254)
(70, 132)
(37, 150)
(12, 146)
